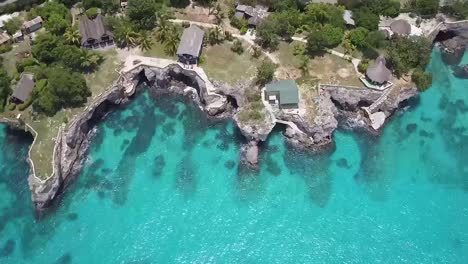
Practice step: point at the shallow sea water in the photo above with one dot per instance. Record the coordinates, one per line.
(162, 185)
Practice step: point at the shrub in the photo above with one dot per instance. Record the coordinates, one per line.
(26, 104)
(265, 72)
(5, 48)
(185, 24)
(239, 22)
(422, 79)
(252, 95)
(237, 47)
(11, 107)
(243, 30)
(363, 65)
(256, 52)
(201, 60)
(22, 64)
(228, 36)
(65, 120)
(92, 12)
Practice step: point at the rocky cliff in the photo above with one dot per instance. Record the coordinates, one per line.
(72, 143)
(334, 105)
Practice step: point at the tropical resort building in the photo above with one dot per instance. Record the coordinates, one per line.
(284, 94)
(378, 76)
(190, 45)
(94, 33)
(24, 88)
(399, 27)
(4, 38)
(253, 15)
(18, 36)
(32, 25)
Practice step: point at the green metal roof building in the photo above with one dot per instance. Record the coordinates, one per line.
(283, 93)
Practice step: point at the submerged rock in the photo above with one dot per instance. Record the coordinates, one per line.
(461, 71)
(249, 154)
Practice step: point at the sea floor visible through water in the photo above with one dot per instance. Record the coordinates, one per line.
(162, 184)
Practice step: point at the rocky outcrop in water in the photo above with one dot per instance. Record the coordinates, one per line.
(453, 39)
(461, 71)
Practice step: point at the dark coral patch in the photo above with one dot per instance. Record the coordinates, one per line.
(101, 194)
(159, 163)
(223, 146)
(72, 216)
(273, 168)
(96, 165)
(343, 163)
(64, 259)
(169, 128)
(8, 248)
(230, 164)
(424, 133)
(410, 128)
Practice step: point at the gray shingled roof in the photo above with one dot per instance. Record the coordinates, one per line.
(378, 72)
(191, 41)
(32, 22)
(400, 27)
(289, 93)
(93, 28)
(24, 87)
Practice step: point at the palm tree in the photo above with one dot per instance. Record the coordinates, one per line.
(90, 60)
(145, 42)
(348, 47)
(214, 36)
(163, 30)
(130, 37)
(72, 36)
(172, 42)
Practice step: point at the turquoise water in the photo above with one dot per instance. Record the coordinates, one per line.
(162, 185)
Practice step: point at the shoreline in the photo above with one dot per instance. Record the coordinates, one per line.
(72, 142)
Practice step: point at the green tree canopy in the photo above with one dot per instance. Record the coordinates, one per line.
(358, 36)
(56, 25)
(366, 18)
(143, 13)
(424, 7)
(5, 87)
(12, 25)
(323, 14)
(422, 79)
(64, 89)
(405, 54)
(265, 72)
(43, 48)
(458, 9)
(322, 37)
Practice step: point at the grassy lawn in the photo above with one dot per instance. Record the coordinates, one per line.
(9, 58)
(106, 75)
(222, 64)
(47, 127)
(324, 69)
(157, 51)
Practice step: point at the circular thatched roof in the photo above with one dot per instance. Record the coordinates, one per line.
(378, 72)
(400, 27)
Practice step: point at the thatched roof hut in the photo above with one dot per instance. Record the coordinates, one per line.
(400, 27)
(378, 72)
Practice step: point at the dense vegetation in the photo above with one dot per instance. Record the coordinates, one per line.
(58, 62)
